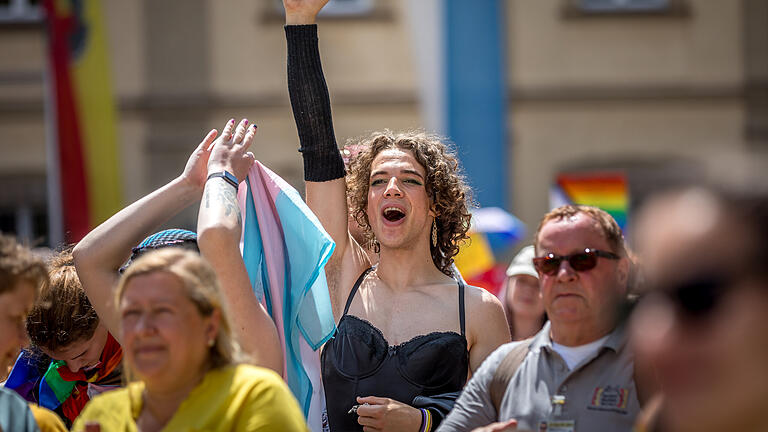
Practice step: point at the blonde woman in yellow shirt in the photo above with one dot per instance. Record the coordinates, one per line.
(178, 347)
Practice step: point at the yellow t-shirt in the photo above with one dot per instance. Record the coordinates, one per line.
(233, 398)
(47, 420)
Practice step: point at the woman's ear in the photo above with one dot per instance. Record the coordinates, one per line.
(214, 322)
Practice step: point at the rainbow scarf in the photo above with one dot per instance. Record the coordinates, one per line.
(60, 389)
(285, 249)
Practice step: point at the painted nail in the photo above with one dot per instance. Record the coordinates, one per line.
(254, 126)
(231, 121)
(245, 121)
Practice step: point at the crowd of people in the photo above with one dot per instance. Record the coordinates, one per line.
(132, 329)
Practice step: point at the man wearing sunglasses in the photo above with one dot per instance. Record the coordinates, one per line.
(576, 374)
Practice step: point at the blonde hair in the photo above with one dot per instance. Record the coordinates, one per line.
(200, 286)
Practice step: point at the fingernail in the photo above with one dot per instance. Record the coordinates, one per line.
(231, 120)
(254, 126)
(245, 121)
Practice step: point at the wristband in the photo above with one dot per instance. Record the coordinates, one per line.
(426, 420)
(227, 176)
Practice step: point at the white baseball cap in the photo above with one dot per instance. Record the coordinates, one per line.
(522, 264)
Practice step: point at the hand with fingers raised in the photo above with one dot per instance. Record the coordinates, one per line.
(230, 151)
(196, 171)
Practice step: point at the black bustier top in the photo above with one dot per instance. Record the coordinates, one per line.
(358, 361)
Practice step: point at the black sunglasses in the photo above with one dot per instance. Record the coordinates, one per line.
(582, 261)
(698, 296)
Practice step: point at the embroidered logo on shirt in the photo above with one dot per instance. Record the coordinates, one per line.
(610, 398)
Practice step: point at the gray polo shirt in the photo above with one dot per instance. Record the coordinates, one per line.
(599, 393)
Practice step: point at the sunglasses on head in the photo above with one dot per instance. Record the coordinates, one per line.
(582, 261)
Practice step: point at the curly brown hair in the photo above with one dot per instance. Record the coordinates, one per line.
(63, 314)
(451, 197)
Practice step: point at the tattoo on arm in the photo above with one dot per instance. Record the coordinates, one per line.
(218, 192)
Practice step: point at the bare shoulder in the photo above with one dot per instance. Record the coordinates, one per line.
(487, 326)
(479, 300)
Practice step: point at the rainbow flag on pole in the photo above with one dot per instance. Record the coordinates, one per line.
(84, 116)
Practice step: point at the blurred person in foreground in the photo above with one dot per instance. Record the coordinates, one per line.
(577, 373)
(73, 357)
(521, 296)
(181, 352)
(22, 275)
(703, 324)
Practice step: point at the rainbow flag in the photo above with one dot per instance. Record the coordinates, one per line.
(285, 249)
(85, 116)
(608, 191)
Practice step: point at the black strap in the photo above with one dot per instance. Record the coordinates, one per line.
(461, 306)
(354, 289)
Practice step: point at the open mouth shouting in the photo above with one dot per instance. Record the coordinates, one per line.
(393, 214)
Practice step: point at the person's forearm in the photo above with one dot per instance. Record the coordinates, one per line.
(219, 227)
(109, 245)
(311, 105)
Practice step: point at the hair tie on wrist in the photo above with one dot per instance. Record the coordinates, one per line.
(227, 176)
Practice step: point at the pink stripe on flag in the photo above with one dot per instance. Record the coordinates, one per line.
(274, 252)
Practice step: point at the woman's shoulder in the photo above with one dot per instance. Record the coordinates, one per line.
(248, 378)
(479, 299)
(266, 399)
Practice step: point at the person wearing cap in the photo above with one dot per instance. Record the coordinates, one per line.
(521, 297)
(100, 255)
(576, 374)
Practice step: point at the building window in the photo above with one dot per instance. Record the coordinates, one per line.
(596, 8)
(609, 6)
(20, 11)
(339, 8)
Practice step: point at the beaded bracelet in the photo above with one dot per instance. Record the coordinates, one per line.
(426, 420)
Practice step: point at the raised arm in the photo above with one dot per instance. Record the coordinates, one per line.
(218, 228)
(323, 165)
(99, 255)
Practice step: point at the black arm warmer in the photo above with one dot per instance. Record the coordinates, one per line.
(311, 105)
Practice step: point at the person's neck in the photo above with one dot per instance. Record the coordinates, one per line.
(162, 401)
(402, 269)
(574, 334)
(525, 326)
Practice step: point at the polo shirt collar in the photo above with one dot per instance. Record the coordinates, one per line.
(616, 338)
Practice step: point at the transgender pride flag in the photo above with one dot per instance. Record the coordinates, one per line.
(285, 250)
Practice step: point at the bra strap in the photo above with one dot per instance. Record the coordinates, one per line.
(354, 289)
(461, 306)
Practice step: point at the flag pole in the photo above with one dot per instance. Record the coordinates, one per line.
(53, 172)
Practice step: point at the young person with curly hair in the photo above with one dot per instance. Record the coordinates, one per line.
(408, 333)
